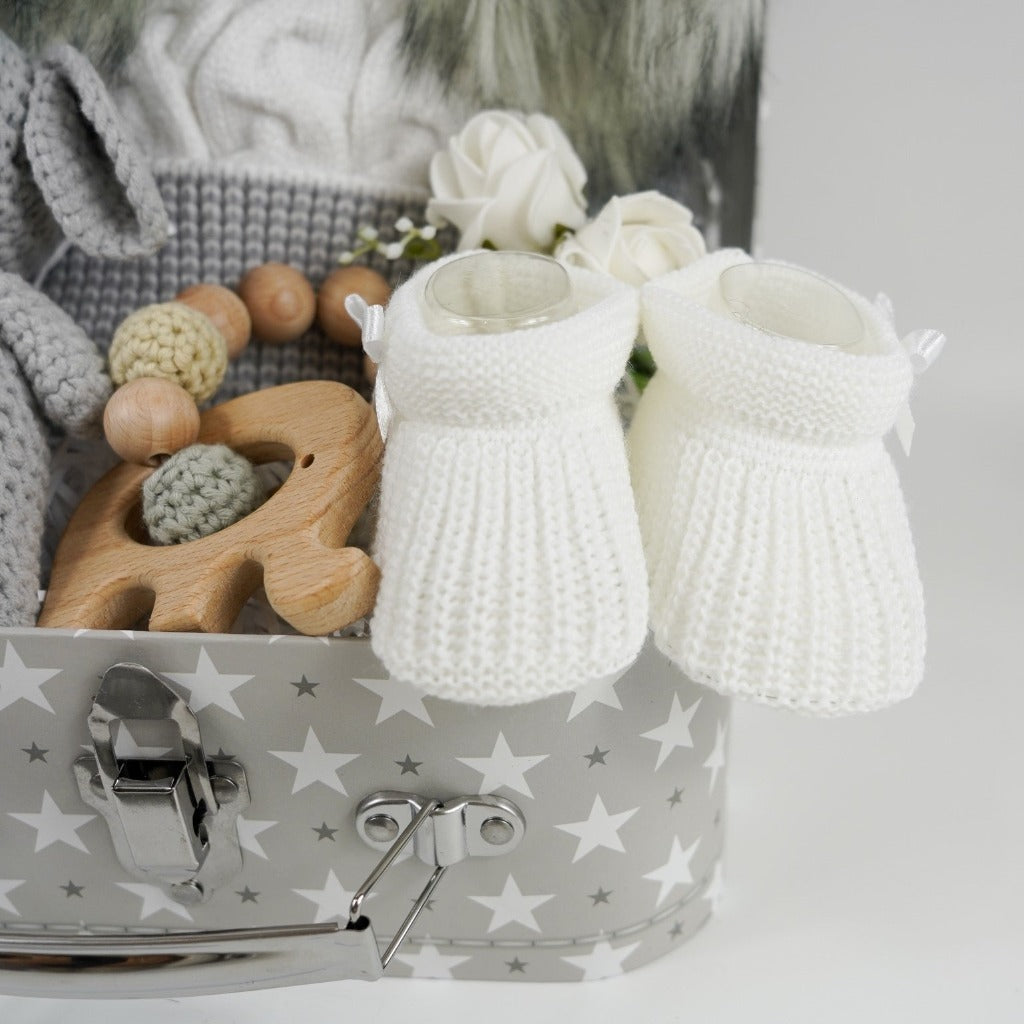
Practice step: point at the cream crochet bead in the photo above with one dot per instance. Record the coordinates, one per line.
(173, 341)
(781, 560)
(507, 539)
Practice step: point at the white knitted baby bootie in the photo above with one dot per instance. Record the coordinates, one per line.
(508, 542)
(781, 561)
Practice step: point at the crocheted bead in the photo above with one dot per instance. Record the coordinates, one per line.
(280, 301)
(172, 341)
(150, 417)
(225, 309)
(330, 301)
(198, 491)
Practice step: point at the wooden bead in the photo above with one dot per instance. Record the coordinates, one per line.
(225, 309)
(280, 301)
(369, 369)
(330, 303)
(149, 417)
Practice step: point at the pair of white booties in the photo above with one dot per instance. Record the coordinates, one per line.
(757, 525)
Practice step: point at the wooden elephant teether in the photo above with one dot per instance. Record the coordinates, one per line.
(107, 576)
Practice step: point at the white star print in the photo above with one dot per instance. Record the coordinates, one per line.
(52, 825)
(716, 887)
(154, 899)
(247, 833)
(716, 759)
(207, 686)
(9, 885)
(675, 731)
(601, 692)
(17, 682)
(503, 768)
(600, 829)
(675, 871)
(396, 697)
(314, 764)
(602, 962)
(512, 906)
(429, 962)
(333, 900)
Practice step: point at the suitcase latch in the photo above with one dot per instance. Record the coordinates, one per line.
(172, 820)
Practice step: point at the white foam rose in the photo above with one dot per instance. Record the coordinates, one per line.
(508, 179)
(635, 238)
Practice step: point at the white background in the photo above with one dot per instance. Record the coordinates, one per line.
(875, 866)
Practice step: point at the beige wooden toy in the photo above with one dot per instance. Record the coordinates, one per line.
(106, 575)
(280, 301)
(331, 314)
(225, 309)
(150, 417)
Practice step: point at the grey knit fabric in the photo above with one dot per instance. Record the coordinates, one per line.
(94, 180)
(198, 491)
(27, 230)
(226, 221)
(49, 367)
(60, 144)
(22, 496)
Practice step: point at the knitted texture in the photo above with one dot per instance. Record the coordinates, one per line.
(171, 341)
(507, 537)
(781, 560)
(225, 222)
(47, 366)
(65, 164)
(198, 491)
(27, 230)
(102, 195)
(320, 85)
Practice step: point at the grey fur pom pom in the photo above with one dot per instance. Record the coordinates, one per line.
(639, 86)
(105, 32)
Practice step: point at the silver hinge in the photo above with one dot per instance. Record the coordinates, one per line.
(171, 820)
(442, 834)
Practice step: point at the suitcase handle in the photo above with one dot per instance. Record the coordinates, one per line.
(204, 963)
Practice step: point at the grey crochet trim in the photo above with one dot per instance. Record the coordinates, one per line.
(103, 196)
(65, 162)
(225, 221)
(59, 362)
(22, 496)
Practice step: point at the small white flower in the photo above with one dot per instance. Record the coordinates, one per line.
(367, 233)
(403, 224)
(393, 250)
(428, 232)
(635, 238)
(346, 257)
(508, 179)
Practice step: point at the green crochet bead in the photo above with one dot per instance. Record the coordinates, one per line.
(198, 491)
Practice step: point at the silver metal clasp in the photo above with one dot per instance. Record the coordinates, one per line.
(172, 820)
(442, 835)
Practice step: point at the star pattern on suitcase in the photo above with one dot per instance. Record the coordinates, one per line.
(620, 784)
